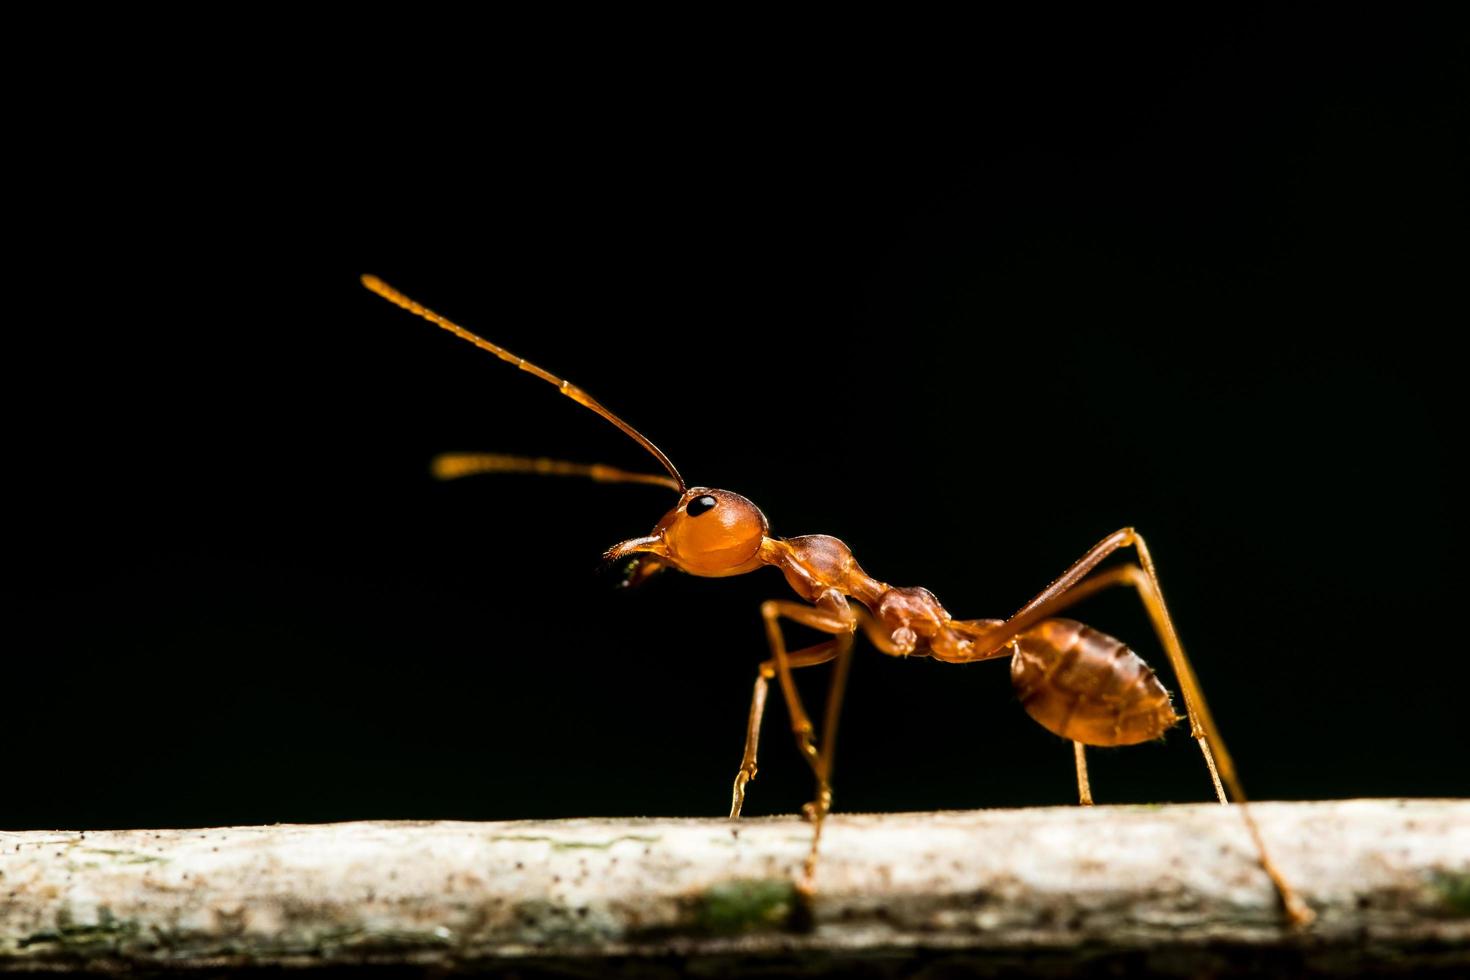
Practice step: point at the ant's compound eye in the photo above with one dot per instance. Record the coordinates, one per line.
(699, 505)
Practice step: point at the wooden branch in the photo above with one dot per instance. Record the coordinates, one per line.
(1173, 889)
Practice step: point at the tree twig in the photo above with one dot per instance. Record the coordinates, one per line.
(1161, 889)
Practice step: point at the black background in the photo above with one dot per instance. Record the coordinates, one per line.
(968, 306)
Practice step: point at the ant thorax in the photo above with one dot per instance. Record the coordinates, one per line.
(816, 565)
(912, 615)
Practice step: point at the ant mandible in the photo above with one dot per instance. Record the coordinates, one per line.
(1075, 681)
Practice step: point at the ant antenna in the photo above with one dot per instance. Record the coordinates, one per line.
(452, 466)
(565, 387)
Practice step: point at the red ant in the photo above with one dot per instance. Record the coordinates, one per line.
(1077, 682)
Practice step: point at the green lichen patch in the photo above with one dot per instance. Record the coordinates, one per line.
(126, 857)
(572, 845)
(747, 905)
(1454, 888)
(104, 935)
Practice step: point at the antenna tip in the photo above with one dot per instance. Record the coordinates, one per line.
(449, 466)
(386, 291)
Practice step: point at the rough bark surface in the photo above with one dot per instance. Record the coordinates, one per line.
(1173, 889)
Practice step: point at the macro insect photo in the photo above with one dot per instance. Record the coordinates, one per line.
(1073, 426)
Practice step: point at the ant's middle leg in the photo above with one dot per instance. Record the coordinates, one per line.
(810, 657)
(832, 615)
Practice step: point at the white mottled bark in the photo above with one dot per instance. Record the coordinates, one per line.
(1172, 889)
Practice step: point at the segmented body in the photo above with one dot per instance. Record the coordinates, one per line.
(1076, 681)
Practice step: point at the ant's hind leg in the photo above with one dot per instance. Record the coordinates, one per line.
(1074, 584)
(1206, 735)
(811, 656)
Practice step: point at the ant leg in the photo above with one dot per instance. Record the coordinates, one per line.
(811, 656)
(1201, 723)
(1206, 734)
(1130, 575)
(878, 634)
(816, 811)
(839, 619)
(752, 739)
(1084, 788)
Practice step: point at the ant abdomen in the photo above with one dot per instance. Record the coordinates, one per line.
(1086, 686)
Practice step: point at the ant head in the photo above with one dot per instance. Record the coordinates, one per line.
(709, 532)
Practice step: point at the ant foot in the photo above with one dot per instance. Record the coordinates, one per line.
(737, 796)
(814, 811)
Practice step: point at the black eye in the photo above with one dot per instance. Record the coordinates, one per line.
(699, 505)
